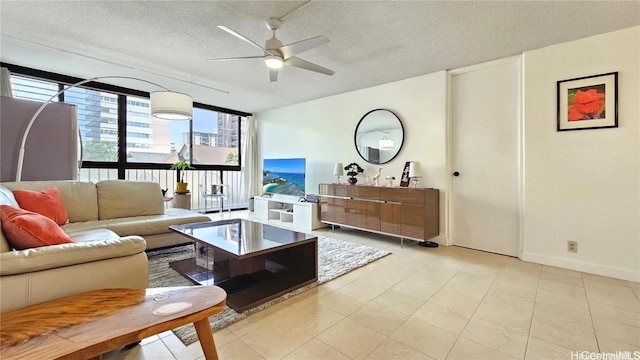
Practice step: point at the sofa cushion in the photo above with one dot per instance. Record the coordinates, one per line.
(44, 258)
(92, 235)
(79, 197)
(154, 224)
(4, 244)
(6, 198)
(46, 202)
(174, 216)
(25, 229)
(72, 228)
(119, 199)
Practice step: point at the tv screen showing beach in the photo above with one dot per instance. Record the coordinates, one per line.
(283, 176)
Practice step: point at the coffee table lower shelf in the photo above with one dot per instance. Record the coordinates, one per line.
(267, 281)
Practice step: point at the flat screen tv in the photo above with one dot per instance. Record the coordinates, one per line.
(283, 176)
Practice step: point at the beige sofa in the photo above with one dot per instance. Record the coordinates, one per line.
(111, 222)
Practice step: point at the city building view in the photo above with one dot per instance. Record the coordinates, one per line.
(215, 136)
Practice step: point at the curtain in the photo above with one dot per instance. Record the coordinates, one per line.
(5, 82)
(251, 177)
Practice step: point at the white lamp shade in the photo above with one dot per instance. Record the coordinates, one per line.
(414, 169)
(385, 144)
(169, 105)
(338, 169)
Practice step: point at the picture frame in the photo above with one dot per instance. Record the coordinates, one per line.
(404, 178)
(589, 102)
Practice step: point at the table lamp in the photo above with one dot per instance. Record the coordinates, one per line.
(414, 169)
(338, 171)
(166, 105)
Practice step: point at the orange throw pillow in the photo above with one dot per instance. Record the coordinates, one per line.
(47, 202)
(25, 229)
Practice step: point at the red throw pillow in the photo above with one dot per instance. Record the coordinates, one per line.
(25, 229)
(46, 202)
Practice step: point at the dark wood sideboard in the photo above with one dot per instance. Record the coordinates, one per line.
(410, 213)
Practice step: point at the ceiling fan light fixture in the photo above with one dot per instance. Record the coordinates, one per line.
(273, 62)
(386, 144)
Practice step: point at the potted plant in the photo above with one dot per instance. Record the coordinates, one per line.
(353, 170)
(181, 166)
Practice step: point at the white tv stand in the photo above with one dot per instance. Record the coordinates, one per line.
(287, 212)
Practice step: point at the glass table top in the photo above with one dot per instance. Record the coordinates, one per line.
(240, 236)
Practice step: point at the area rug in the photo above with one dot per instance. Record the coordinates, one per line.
(335, 258)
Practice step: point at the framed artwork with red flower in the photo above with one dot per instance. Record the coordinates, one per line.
(589, 102)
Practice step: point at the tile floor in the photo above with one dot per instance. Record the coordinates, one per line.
(425, 303)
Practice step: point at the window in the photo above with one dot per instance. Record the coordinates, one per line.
(216, 138)
(97, 121)
(148, 139)
(32, 89)
(211, 141)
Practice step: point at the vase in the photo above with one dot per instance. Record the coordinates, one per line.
(181, 187)
(352, 181)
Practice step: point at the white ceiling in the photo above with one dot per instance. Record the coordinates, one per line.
(371, 43)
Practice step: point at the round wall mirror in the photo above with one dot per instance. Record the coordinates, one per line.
(379, 136)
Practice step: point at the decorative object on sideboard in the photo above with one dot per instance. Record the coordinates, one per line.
(414, 169)
(376, 178)
(404, 178)
(589, 102)
(180, 167)
(353, 170)
(338, 172)
(166, 105)
(390, 180)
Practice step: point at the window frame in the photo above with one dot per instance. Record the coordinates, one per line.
(122, 165)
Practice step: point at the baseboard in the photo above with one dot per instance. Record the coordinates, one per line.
(614, 272)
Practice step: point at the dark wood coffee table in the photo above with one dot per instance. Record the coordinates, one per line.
(251, 261)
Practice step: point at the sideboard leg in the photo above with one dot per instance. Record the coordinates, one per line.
(401, 243)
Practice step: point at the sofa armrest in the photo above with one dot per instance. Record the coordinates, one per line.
(55, 256)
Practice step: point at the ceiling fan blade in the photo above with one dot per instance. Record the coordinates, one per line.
(273, 75)
(237, 58)
(221, 27)
(303, 64)
(302, 46)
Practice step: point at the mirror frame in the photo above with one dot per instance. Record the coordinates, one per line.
(355, 136)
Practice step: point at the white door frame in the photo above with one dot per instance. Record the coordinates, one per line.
(520, 143)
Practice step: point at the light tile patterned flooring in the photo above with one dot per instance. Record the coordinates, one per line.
(425, 303)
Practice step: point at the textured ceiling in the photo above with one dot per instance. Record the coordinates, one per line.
(371, 43)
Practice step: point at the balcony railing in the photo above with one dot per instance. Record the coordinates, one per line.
(199, 181)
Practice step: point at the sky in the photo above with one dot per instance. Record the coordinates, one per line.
(291, 166)
(203, 121)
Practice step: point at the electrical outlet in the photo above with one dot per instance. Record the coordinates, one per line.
(572, 246)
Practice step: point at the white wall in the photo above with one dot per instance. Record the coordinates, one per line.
(578, 185)
(583, 185)
(322, 131)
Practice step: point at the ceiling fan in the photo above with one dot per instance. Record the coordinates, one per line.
(276, 55)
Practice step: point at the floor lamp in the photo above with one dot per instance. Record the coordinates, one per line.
(166, 105)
